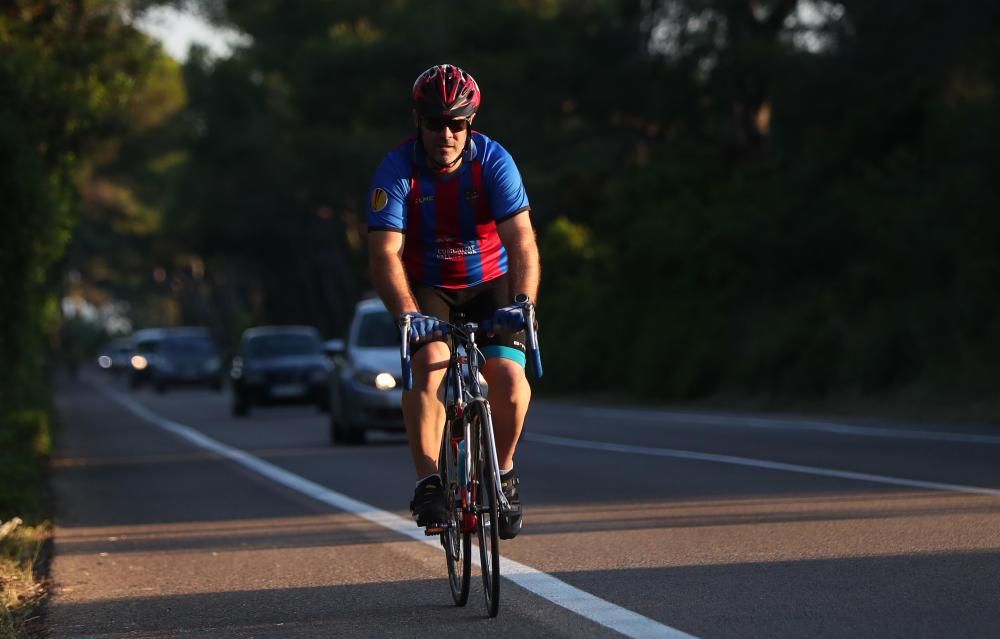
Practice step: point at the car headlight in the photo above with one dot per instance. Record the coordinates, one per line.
(139, 362)
(104, 361)
(385, 381)
(377, 379)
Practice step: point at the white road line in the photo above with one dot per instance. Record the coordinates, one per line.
(605, 613)
(783, 423)
(756, 463)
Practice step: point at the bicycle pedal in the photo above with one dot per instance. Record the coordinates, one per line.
(430, 531)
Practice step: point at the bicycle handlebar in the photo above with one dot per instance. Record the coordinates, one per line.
(486, 325)
(404, 350)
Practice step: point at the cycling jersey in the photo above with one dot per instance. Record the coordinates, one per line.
(449, 219)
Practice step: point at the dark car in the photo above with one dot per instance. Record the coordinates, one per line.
(166, 357)
(116, 356)
(366, 386)
(186, 357)
(279, 365)
(145, 344)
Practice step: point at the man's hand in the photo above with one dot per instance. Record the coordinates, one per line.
(509, 318)
(425, 328)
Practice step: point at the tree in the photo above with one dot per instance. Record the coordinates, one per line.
(67, 72)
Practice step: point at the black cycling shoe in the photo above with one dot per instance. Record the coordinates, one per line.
(428, 506)
(510, 520)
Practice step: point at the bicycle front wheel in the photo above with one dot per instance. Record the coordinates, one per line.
(487, 514)
(457, 544)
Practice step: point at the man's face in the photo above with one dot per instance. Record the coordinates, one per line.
(444, 138)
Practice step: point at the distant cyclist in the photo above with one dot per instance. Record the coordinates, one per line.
(450, 232)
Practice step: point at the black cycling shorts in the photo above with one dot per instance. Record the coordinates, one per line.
(474, 304)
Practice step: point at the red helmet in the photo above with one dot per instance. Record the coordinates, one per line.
(445, 91)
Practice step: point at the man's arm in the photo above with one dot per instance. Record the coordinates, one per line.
(525, 270)
(385, 263)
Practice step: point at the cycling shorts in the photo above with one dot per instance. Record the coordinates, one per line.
(474, 304)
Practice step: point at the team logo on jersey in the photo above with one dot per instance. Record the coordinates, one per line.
(379, 200)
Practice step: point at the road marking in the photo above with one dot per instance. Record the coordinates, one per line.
(756, 463)
(785, 423)
(605, 613)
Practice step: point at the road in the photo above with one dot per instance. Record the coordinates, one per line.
(176, 519)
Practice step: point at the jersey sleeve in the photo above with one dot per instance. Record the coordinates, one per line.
(503, 181)
(387, 195)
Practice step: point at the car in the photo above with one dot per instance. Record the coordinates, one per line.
(366, 386)
(166, 357)
(186, 356)
(145, 343)
(116, 356)
(279, 365)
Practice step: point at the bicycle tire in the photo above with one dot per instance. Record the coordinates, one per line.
(457, 544)
(487, 508)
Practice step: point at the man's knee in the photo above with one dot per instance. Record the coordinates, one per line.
(505, 375)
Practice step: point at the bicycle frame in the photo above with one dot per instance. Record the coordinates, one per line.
(466, 390)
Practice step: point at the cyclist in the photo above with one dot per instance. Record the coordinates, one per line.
(449, 232)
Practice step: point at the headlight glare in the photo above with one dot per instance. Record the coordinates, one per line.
(378, 379)
(385, 381)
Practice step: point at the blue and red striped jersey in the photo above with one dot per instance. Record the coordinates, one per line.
(450, 221)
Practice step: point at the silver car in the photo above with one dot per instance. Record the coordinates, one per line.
(366, 386)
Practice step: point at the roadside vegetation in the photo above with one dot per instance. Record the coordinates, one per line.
(73, 77)
(779, 202)
(25, 512)
(22, 578)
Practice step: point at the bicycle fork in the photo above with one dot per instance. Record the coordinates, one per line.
(502, 502)
(463, 462)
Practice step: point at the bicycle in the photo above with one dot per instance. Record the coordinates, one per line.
(468, 462)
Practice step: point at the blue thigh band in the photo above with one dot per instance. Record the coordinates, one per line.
(506, 352)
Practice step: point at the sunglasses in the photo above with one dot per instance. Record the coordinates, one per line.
(438, 124)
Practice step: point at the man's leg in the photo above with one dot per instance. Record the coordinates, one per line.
(509, 397)
(423, 412)
(423, 407)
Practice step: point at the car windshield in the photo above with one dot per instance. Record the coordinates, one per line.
(283, 344)
(378, 330)
(193, 345)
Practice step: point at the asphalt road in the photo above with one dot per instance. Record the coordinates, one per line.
(176, 519)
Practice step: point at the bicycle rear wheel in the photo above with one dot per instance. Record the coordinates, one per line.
(487, 514)
(457, 544)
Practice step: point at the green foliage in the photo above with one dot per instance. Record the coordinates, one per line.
(67, 71)
(25, 442)
(849, 249)
(729, 200)
(125, 185)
